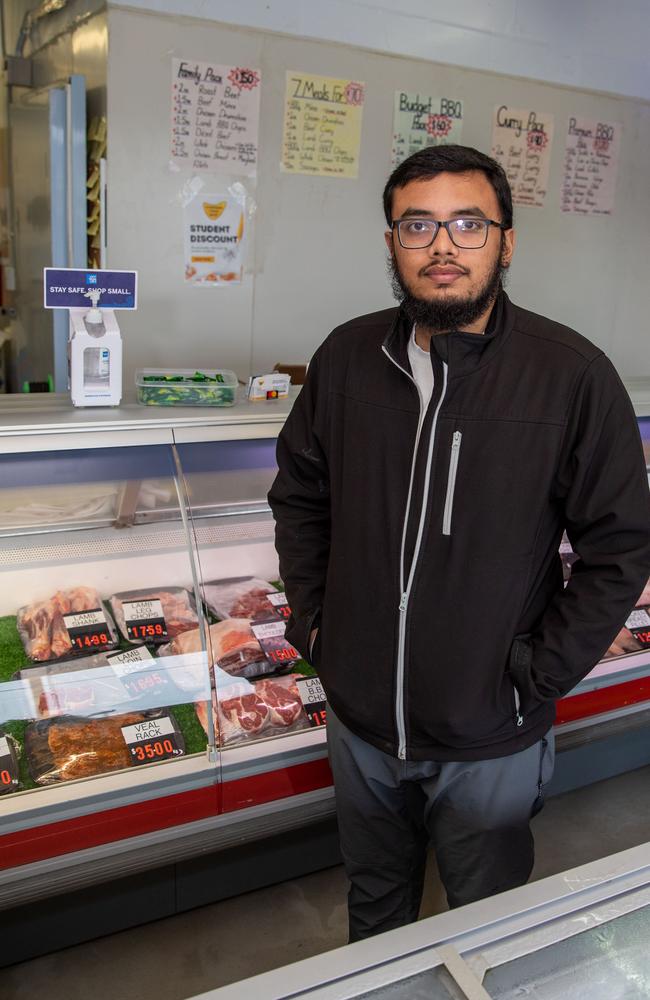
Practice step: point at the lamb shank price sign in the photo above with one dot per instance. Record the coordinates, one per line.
(153, 739)
(88, 629)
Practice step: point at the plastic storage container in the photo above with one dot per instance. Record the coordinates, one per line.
(186, 387)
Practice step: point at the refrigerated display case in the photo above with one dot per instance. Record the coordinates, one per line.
(584, 931)
(150, 713)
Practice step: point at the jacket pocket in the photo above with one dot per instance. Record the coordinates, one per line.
(299, 629)
(451, 482)
(520, 670)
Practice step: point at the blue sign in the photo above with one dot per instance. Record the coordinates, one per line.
(68, 287)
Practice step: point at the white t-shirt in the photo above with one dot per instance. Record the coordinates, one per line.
(422, 369)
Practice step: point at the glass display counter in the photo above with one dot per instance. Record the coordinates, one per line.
(582, 933)
(150, 709)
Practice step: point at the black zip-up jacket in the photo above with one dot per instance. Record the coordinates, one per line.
(431, 563)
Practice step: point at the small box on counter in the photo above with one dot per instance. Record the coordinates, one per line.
(296, 372)
(185, 387)
(272, 386)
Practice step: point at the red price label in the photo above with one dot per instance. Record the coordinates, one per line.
(5, 778)
(156, 750)
(285, 655)
(92, 640)
(147, 630)
(317, 717)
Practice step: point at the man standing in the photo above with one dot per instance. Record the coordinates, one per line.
(426, 473)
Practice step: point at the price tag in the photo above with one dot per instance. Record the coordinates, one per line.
(145, 620)
(275, 647)
(278, 601)
(153, 739)
(639, 625)
(9, 775)
(313, 698)
(138, 672)
(88, 630)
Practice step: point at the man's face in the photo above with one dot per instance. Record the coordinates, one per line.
(447, 287)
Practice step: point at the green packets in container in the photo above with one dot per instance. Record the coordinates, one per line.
(184, 387)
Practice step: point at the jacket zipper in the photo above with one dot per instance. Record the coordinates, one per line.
(451, 482)
(405, 588)
(519, 719)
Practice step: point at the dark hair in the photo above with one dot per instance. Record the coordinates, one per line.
(435, 160)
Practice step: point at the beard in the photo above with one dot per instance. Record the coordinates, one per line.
(448, 314)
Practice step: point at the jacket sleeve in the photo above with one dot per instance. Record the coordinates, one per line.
(300, 501)
(602, 487)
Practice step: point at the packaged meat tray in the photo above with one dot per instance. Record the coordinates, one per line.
(154, 615)
(9, 764)
(240, 597)
(246, 711)
(82, 686)
(69, 747)
(69, 623)
(234, 648)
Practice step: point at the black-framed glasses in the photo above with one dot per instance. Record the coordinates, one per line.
(467, 234)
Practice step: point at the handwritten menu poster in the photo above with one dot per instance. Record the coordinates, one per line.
(521, 142)
(322, 125)
(420, 120)
(590, 166)
(215, 117)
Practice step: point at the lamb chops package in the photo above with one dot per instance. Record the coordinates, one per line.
(69, 747)
(156, 614)
(9, 763)
(234, 648)
(241, 597)
(69, 623)
(245, 711)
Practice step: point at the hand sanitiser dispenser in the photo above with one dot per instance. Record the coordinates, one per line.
(95, 355)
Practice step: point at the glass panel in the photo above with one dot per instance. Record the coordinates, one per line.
(427, 985)
(609, 962)
(93, 594)
(258, 691)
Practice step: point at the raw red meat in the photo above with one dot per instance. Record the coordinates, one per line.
(283, 701)
(248, 712)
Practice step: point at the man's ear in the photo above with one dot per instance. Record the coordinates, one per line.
(507, 247)
(388, 236)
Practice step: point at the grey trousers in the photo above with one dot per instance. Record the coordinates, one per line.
(475, 814)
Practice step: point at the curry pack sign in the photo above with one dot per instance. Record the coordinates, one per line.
(215, 226)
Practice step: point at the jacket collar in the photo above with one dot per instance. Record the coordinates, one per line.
(463, 352)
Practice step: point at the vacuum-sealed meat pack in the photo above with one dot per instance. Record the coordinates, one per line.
(233, 646)
(68, 747)
(245, 711)
(69, 623)
(156, 614)
(240, 597)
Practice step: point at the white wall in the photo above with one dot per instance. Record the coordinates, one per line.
(317, 256)
(589, 44)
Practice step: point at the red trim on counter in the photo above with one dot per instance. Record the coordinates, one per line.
(605, 699)
(68, 836)
(262, 788)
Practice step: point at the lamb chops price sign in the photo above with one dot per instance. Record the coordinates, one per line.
(313, 698)
(275, 647)
(152, 740)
